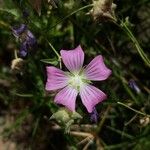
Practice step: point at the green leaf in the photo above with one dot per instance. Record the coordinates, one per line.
(23, 95)
(12, 12)
(52, 61)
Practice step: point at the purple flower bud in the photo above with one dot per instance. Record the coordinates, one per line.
(17, 31)
(94, 115)
(134, 86)
(27, 39)
(30, 38)
(23, 50)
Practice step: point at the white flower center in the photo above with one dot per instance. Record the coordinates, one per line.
(77, 81)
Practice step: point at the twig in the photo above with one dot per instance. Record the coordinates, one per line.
(74, 12)
(103, 119)
(127, 123)
(83, 141)
(137, 111)
(81, 134)
(87, 145)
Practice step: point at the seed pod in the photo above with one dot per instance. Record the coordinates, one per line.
(103, 10)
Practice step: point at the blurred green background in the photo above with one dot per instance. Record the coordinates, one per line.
(25, 107)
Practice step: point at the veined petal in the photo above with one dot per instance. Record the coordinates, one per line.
(96, 70)
(91, 96)
(73, 59)
(67, 97)
(56, 79)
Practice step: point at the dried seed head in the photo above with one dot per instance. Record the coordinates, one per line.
(103, 10)
(144, 121)
(17, 64)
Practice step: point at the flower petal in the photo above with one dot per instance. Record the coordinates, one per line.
(31, 40)
(91, 96)
(94, 115)
(67, 97)
(73, 59)
(96, 69)
(56, 79)
(19, 30)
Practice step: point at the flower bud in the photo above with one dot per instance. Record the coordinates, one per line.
(64, 115)
(134, 86)
(61, 116)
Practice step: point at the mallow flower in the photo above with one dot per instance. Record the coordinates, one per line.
(77, 80)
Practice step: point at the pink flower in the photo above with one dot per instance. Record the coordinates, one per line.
(78, 80)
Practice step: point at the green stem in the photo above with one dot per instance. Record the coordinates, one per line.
(57, 54)
(103, 119)
(15, 54)
(129, 91)
(120, 132)
(74, 12)
(124, 83)
(54, 49)
(137, 111)
(3, 24)
(137, 45)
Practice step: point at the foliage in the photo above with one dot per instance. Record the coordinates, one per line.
(123, 117)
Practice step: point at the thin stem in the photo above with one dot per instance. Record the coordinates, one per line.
(81, 134)
(128, 90)
(120, 132)
(137, 45)
(103, 119)
(83, 141)
(15, 54)
(87, 145)
(57, 54)
(74, 12)
(137, 111)
(125, 28)
(54, 49)
(2, 23)
(132, 119)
